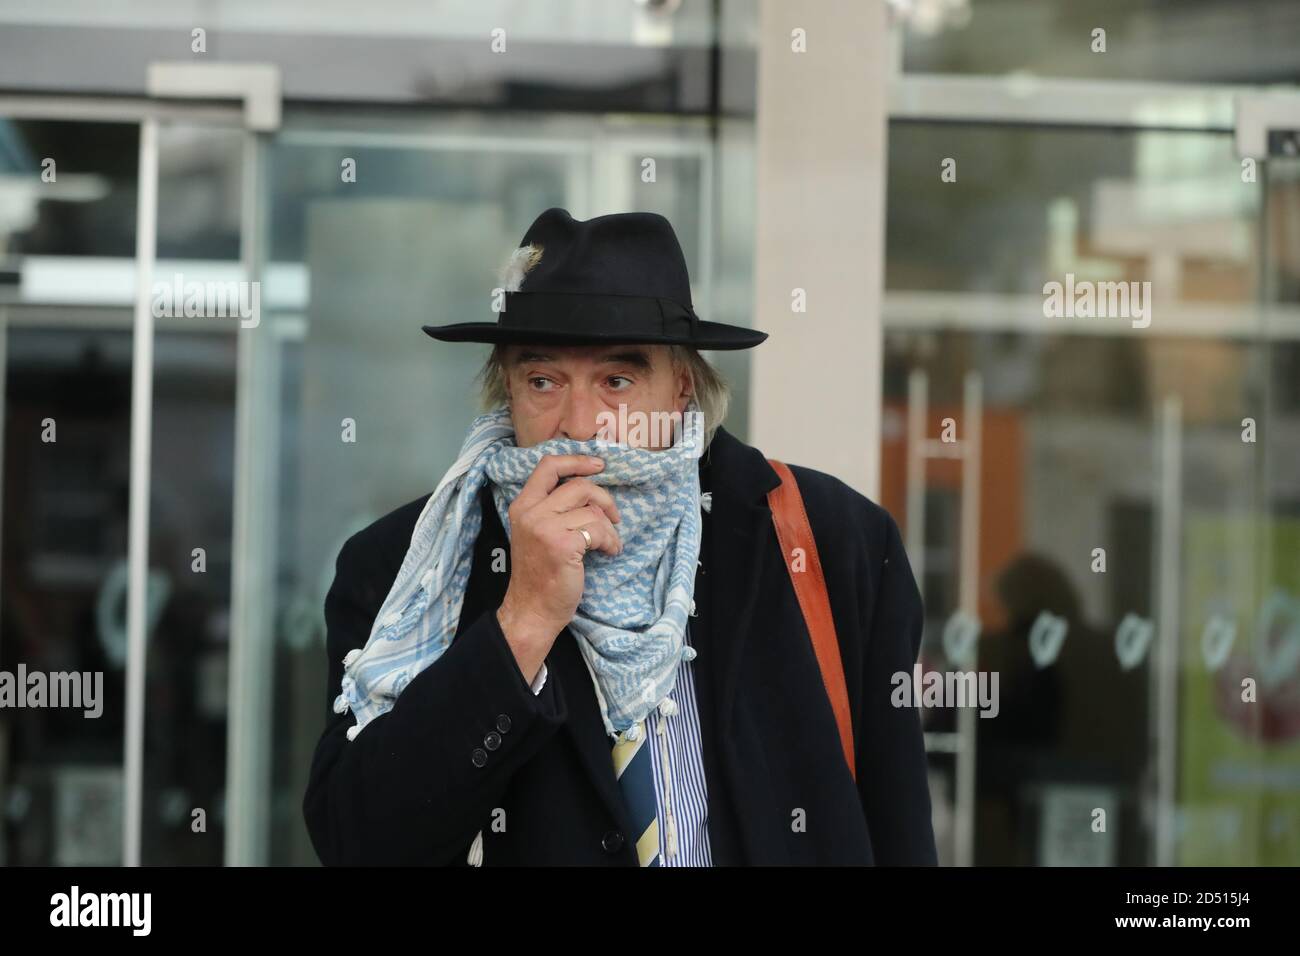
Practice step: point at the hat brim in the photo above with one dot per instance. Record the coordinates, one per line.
(709, 335)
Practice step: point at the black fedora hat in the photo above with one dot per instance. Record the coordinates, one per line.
(611, 279)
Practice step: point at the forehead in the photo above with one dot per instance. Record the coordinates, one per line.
(582, 353)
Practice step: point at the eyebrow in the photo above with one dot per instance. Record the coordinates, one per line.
(637, 358)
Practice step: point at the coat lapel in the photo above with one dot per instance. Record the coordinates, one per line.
(584, 727)
(740, 479)
(738, 561)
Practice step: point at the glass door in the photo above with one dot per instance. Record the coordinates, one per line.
(67, 239)
(122, 237)
(202, 305)
(1087, 425)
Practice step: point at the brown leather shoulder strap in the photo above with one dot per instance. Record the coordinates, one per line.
(793, 531)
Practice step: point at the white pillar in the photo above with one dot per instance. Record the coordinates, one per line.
(821, 130)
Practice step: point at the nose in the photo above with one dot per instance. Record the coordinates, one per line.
(578, 420)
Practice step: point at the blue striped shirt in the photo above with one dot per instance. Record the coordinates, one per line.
(680, 790)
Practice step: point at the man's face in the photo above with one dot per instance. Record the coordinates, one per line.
(574, 391)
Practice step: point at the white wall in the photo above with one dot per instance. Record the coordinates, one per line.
(816, 388)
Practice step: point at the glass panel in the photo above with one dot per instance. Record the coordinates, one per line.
(67, 229)
(197, 290)
(1127, 522)
(1213, 41)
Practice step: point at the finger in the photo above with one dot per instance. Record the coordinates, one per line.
(548, 473)
(579, 492)
(604, 536)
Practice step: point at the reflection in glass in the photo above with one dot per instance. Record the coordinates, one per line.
(1121, 487)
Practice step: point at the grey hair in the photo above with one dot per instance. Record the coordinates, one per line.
(711, 391)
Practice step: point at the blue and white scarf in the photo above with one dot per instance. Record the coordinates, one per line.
(631, 620)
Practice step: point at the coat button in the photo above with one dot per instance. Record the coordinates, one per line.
(612, 841)
(492, 741)
(503, 724)
(479, 756)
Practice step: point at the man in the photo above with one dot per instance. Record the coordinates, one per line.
(586, 649)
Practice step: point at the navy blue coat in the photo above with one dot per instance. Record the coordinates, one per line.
(406, 791)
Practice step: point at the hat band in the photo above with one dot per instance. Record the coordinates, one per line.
(597, 315)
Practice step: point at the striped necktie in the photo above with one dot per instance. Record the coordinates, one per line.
(636, 781)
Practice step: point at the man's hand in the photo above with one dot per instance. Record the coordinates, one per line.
(546, 553)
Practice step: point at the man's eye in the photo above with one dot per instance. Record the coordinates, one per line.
(537, 378)
(620, 378)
